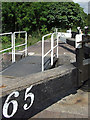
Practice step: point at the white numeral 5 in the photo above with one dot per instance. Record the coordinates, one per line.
(28, 95)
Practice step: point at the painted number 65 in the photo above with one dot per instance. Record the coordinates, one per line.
(15, 103)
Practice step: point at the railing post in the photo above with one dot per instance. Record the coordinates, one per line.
(57, 44)
(51, 49)
(42, 54)
(13, 47)
(26, 44)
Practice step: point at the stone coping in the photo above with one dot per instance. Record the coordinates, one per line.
(10, 84)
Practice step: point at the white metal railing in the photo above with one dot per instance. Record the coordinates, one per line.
(44, 55)
(63, 36)
(24, 44)
(13, 44)
(10, 33)
(51, 49)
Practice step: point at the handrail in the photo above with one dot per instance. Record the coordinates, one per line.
(20, 44)
(43, 50)
(51, 50)
(10, 33)
(63, 36)
(47, 53)
(53, 47)
(6, 33)
(13, 43)
(20, 32)
(6, 49)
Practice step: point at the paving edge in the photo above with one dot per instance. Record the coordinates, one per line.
(48, 87)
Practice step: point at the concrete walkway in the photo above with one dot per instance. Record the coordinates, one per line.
(28, 65)
(32, 63)
(72, 106)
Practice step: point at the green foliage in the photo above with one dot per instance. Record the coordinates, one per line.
(66, 15)
(34, 38)
(44, 29)
(5, 39)
(88, 20)
(38, 18)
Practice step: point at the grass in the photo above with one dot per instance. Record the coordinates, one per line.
(20, 40)
(32, 39)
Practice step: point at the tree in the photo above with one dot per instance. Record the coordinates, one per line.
(65, 15)
(41, 16)
(15, 16)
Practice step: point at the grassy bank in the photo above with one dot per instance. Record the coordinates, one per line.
(32, 39)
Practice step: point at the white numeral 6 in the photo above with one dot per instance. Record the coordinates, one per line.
(6, 105)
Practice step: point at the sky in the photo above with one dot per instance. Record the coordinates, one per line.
(83, 4)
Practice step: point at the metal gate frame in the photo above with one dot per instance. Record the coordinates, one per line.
(13, 43)
(51, 50)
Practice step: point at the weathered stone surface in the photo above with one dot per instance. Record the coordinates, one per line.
(72, 106)
(48, 87)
